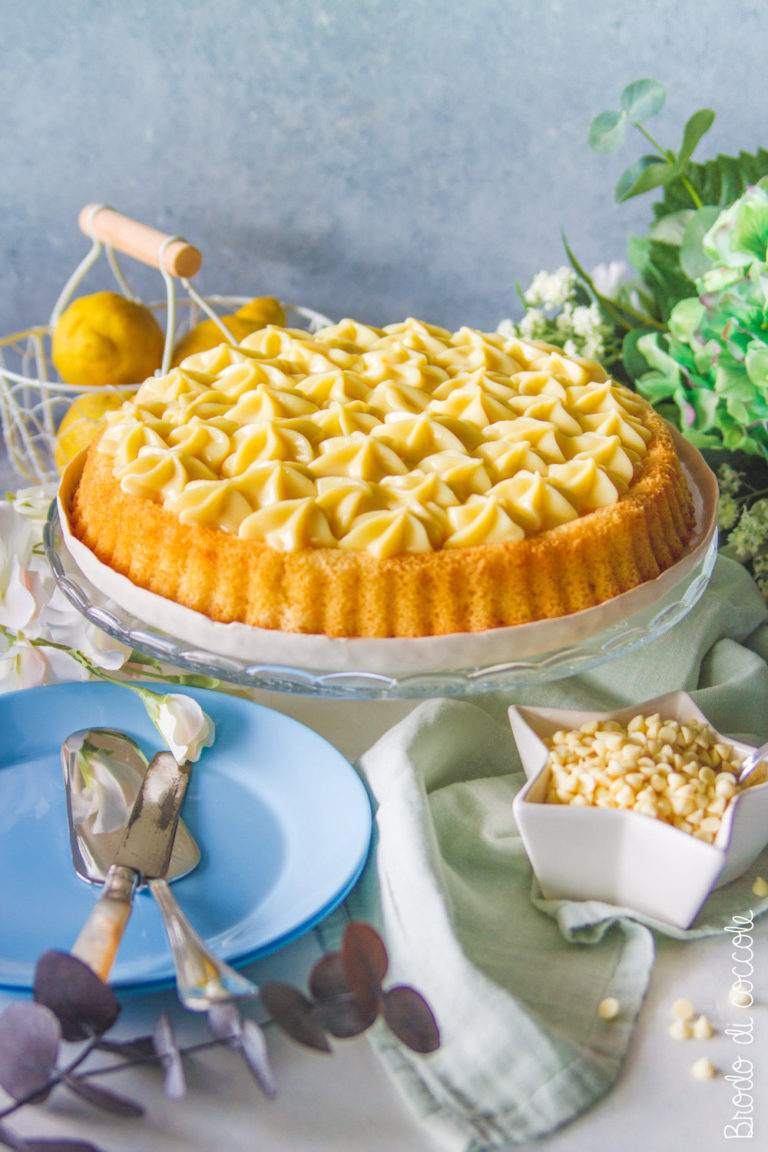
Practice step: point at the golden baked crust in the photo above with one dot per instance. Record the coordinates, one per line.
(341, 593)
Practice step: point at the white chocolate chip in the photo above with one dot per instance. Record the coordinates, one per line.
(760, 887)
(681, 774)
(701, 1029)
(703, 1069)
(609, 1008)
(740, 997)
(683, 1009)
(680, 1030)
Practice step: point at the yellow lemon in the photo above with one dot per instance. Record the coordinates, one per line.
(255, 314)
(106, 339)
(81, 423)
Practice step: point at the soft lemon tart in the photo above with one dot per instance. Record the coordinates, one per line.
(399, 481)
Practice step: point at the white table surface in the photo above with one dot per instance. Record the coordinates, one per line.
(347, 1101)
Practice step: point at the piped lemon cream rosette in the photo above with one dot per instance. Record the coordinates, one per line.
(402, 481)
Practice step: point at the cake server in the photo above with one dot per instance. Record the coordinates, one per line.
(103, 770)
(148, 849)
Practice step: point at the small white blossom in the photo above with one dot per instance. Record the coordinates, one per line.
(550, 290)
(533, 325)
(582, 330)
(181, 722)
(587, 321)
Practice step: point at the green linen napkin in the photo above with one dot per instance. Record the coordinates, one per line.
(515, 980)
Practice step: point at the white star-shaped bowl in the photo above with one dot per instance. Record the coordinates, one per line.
(619, 856)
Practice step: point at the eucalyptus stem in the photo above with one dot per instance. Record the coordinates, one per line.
(141, 1061)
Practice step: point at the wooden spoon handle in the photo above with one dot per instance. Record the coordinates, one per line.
(139, 240)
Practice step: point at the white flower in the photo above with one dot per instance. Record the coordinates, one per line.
(34, 613)
(550, 290)
(609, 278)
(21, 666)
(17, 605)
(181, 722)
(61, 622)
(103, 791)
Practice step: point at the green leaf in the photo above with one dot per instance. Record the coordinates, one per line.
(639, 253)
(671, 229)
(643, 99)
(661, 270)
(686, 317)
(693, 259)
(698, 125)
(649, 345)
(732, 382)
(607, 132)
(633, 359)
(750, 234)
(756, 363)
(645, 174)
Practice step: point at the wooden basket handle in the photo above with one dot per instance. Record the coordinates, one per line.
(139, 240)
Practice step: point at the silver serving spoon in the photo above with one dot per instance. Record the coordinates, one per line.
(752, 762)
(108, 765)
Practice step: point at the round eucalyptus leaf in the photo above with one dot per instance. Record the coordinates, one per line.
(607, 131)
(84, 1005)
(365, 961)
(346, 1017)
(295, 1014)
(327, 979)
(643, 99)
(29, 1045)
(410, 1018)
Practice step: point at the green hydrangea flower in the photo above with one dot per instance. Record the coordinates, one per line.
(710, 370)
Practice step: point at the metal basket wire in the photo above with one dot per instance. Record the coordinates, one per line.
(34, 400)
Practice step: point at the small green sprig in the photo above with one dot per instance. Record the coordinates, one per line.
(640, 101)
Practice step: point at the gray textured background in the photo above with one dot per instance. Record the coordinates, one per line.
(373, 158)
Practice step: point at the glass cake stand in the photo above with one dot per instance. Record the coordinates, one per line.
(655, 617)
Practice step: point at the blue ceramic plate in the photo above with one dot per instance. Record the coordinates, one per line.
(282, 820)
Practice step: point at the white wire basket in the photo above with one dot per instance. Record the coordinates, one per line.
(34, 400)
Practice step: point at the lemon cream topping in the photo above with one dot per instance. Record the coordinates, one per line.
(401, 439)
